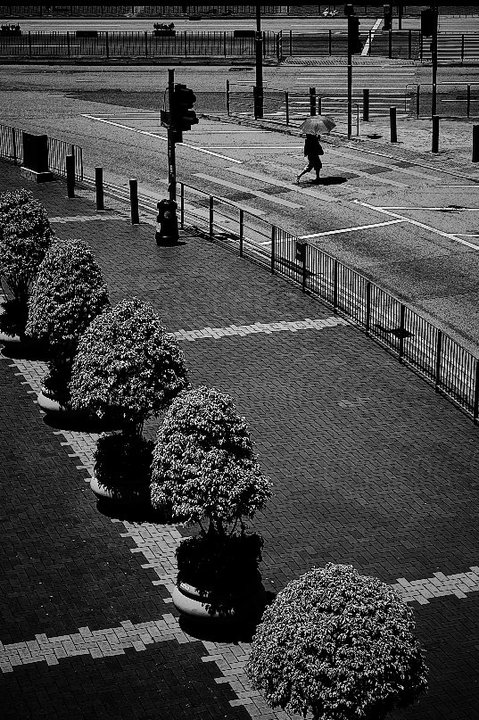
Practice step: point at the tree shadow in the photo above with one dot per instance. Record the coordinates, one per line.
(136, 511)
(79, 422)
(25, 350)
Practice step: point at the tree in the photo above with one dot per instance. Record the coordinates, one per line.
(339, 645)
(67, 294)
(25, 236)
(204, 467)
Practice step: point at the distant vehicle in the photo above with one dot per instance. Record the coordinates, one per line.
(164, 26)
(330, 13)
(10, 30)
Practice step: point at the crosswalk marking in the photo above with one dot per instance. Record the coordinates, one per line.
(241, 188)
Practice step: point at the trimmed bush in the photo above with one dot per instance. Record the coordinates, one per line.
(339, 645)
(204, 468)
(25, 237)
(127, 363)
(119, 458)
(68, 293)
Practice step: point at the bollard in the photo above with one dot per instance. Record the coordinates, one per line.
(475, 143)
(312, 101)
(392, 122)
(320, 105)
(135, 218)
(357, 119)
(435, 134)
(70, 166)
(366, 105)
(100, 203)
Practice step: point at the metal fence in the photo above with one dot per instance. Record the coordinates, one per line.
(413, 340)
(11, 148)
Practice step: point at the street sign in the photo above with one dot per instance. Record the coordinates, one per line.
(165, 118)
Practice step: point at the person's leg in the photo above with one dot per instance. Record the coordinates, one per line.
(303, 172)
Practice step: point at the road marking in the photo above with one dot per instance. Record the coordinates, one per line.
(447, 208)
(350, 229)
(160, 137)
(368, 42)
(391, 168)
(268, 328)
(282, 183)
(449, 236)
(242, 188)
(255, 147)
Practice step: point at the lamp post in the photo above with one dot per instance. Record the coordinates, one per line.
(258, 90)
(434, 56)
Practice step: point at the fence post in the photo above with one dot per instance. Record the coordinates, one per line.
(146, 43)
(291, 43)
(476, 393)
(320, 103)
(468, 101)
(211, 221)
(437, 376)
(370, 38)
(390, 44)
(393, 125)
(241, 232)
(421, 47)
(185, 47)
(100, 203)
(475, 143)
(330, 42)
(68, 43)
(462, 48)
(312, 101)
(273, 247)
(409, 44)
(335, 286)
(418, 90)
(286, 102)
(435, 134)
(303, 259)
(135, 218)
(107, 45)
(182, 205)
(224, 44)
(401, 333)
(14, 146)
(30, 43)
(227, 96)
(70, 167)
(368, 306)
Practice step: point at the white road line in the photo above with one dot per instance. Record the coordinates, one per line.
(350, 229)
(160, 137)
(283, 184)
(447, 208)
(392, 168)
(254, 147)
(242, 188)
(368, 42)
(449, 236)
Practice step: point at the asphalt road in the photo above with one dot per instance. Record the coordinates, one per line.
(410, 226)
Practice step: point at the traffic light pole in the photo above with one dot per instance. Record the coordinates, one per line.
(434, 58)
(171, 140)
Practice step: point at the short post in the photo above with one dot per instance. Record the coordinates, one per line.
(468, 101)
(212, 215)
(107, 45)
(182, 205)
(475, 143)
(418, 92)
(390, 44)
(68, 43)
(70, 167)
(409, 44)
(357, 118)
(100, 203)
(286, 104)
(146, 43)
(319, 105)
(241, 232)
(312, 101)
(14, 146)
(366, 105)
(135, 218)
(370, 41)
(401, 333)
(330, 42)
(435, 134)
(392, 122)
(227, 97)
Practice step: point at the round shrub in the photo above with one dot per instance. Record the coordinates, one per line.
(204, 467)
(68, 292)
(119, 458)
(339, 645)
(126, 363)
(11, 200)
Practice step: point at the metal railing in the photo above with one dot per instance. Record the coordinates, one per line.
(11, 148)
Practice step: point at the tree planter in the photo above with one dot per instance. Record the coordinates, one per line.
(49, 404)
(197, 605)
(123, 495)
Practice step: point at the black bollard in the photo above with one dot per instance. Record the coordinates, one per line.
(365, 104)
(392, 122)
(475, 143)
(435, 134)
(100, 203)
(70, 167)
(135, 217)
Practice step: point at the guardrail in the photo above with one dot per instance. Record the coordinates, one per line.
(11, 148)
(416, 342)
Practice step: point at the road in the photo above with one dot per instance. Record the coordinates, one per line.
(410, 226)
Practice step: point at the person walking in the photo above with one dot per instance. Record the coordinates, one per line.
(312, 150)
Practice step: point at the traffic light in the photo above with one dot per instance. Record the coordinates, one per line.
(388, 17)
(427, 22)
(182, 114)
(355, 45)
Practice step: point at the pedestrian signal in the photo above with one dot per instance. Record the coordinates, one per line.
(182, 114)
(354, 42)
(388, 17)
(427, 22)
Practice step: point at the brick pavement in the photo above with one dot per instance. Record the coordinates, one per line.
(369, 466)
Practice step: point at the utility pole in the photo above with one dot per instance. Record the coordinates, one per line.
(258, 91)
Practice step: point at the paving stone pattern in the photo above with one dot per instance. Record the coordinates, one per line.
(369, 467)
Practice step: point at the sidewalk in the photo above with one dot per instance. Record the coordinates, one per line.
(369, 467)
